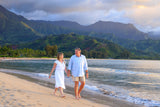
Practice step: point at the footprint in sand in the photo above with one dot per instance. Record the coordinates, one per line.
(29, 105)
(20, 91)
(21, 105)
(7, 89)
(14, 99)
(28, 97)
(39, 104)
(3, 97)
(12, 95)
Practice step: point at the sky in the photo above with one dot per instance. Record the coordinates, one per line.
(144, 14)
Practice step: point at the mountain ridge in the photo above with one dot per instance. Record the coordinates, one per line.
(12, 30)
(120, 30)
(43, 28)
(16, 29)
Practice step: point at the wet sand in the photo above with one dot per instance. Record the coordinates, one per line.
(35, 90)
(19, 92)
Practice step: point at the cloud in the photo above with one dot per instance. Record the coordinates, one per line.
(142, 13)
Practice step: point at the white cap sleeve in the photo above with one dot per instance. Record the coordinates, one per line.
(56, 62)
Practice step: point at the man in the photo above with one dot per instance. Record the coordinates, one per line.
(78, 66)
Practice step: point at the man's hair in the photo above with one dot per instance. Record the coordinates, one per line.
(78, 48)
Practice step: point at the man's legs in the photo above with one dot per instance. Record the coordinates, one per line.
(76, 89)
(80, 88)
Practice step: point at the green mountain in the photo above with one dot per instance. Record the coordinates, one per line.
(144, 45)
(16, 28)
(125, 31)
(13, 30)
(120, 30)
(89, 45)
(147, 46)
(12, 23)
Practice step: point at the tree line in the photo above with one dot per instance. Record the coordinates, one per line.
(51, 51)
(8, 51)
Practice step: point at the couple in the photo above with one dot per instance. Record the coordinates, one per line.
(77, 65)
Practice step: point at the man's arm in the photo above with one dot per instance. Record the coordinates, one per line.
(86, 66)
(87, 75)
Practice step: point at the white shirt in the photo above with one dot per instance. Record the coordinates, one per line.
(78, 65)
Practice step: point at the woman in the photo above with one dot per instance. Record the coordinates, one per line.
(59, 67)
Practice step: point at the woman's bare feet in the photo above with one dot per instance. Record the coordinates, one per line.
(55, 94)
(79, 95)
(63, 96)
(77, 98)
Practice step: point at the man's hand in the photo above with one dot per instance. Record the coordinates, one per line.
(87, 74)
(68, 73)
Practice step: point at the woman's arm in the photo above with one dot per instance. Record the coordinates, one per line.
(53, 68)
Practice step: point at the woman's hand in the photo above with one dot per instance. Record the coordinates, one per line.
(49, 76)
(68, 73)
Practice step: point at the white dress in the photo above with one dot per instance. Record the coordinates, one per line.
(59, 74)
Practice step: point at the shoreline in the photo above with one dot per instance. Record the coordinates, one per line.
(99, 99)
(19, 92)
(32, 58)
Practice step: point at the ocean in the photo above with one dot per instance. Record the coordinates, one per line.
(136, 81)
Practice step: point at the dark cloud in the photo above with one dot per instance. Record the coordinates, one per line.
(142, 13)
(52, 6)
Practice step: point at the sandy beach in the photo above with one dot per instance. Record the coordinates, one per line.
(18, 92)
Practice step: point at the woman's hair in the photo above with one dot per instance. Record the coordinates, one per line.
(59, 54)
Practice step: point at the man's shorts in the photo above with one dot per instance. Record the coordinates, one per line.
(78, 78)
